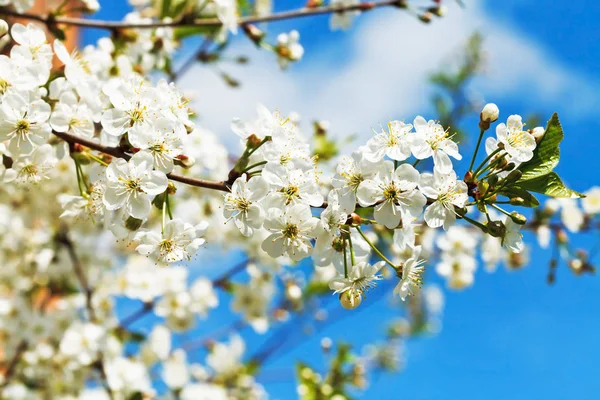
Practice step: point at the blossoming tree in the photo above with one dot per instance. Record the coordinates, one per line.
(110, 189)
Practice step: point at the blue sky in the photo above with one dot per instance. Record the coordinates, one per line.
(511, 336)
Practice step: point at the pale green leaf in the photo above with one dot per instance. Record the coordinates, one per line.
(550, 185)
(547, 154)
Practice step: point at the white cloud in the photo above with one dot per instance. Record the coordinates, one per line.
(384, 75)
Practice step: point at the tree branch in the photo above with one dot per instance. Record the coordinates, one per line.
(208, 22)
(119, 153)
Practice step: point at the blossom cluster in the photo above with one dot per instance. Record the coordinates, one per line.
(110, 189)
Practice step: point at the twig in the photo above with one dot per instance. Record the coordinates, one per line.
(12, 366)
(119, 153)
(52, 20)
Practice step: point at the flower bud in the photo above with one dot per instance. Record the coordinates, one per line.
(493, 180)
(483, 188)
(538, 133)
(518, 218)
(184, 161)
(468, 177)
(3, 28)
(425, 17)
(350, 299)
(133, 224)
(489, 113)
(513, 176)
(171, 188)
(510, 166)
(496, 228)
(517, 201)
(255, 34)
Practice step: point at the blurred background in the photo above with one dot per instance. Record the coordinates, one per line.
(511, 335)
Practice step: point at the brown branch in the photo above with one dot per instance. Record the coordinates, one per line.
(52, 20)
(119, 153)
(12, 366)
(63, 238)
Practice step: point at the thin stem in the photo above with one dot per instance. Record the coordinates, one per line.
(375, 249)
(258, 164)
(97, 159)
(416, 163)
(476, 223)
(345, 260)
(503, 211)
(481, 132)
(492, 154)
(351, 249)
(168, 201)
(164, 214)
(265, 140)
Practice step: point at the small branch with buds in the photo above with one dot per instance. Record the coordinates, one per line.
(52, 20)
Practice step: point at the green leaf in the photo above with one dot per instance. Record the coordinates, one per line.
(165, 7)
(547, 154)
(530, 200)
(136, 396)
(550, 185)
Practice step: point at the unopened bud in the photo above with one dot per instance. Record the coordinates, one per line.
(184, 161)
(468, 177)
(190, 126)
(425, 17)
(493, 180)
(350, 299)
(133, 224)
(438, 11)
(576, 265)
(253, 141)
(496, 228)
(562, 237)
(171, 188)
(255, 34)
(314, 3)
(483, 188)
(326, 344)
(3, 28)
(356, 219)
(513, 176)
(489, 113)
(517, 201)
(518, 218)
(538, 133)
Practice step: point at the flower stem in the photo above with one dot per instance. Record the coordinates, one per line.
(503, 211)
(345, 261)
(351, 249)
(164, 215)
(481, 132)
(492, 154)
(476, 223)
(375, 249)
(258, 164)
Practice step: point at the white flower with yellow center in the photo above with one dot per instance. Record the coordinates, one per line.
(292, 232)
(412, 275)
(128, 184)
(394, 194)
(519, 144)
(242, 204)
(24, 123)
(448, 192)
(430, 140)
(361, 278)
(350, 173)
(179, 241)
(394, 143)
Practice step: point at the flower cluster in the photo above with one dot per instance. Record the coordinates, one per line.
(110, 189)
